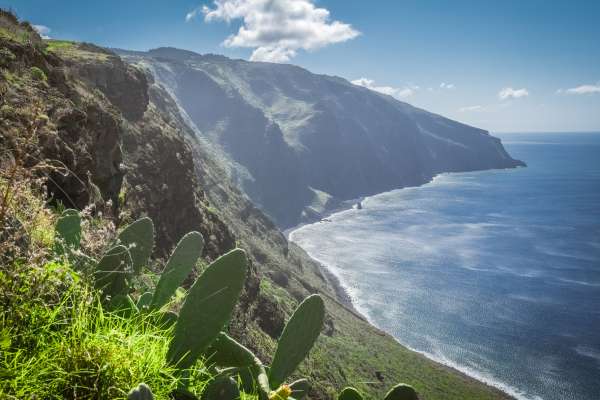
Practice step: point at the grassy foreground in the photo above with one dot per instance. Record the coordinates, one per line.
(56, 339)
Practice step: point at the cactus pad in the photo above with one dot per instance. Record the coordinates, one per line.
(138, 237)
(141, 392)
(68, 232)
(402, 392)
(298, 337)
(180, 264)
(207, 308)
(221, 388)
(112, 271)
(350, 393)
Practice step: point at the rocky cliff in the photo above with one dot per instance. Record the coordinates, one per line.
(297, 142)
(119, 142)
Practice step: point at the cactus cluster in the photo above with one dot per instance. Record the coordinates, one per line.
(206, 310)
(401, 391)
(298, 337)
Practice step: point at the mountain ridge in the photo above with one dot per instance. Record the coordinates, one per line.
(127, 153)
(299, 142)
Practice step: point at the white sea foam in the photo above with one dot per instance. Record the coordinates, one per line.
(450, 260)
(588, 352)
(364, 305)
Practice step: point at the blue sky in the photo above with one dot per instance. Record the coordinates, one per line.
(503, 66)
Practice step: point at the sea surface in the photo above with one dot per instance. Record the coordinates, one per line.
(496, 273)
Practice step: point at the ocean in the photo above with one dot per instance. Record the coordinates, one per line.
(495, 273)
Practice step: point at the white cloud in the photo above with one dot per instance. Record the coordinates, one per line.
(583, 89)
(406, 92)
(391, 91)
(193, 14)
(471, 108)
(444, 85)
(43, 30)
(510, 93)
(277, 29)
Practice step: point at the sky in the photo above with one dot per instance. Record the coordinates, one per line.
(504, 66)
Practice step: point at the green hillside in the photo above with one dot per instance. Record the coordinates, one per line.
(81, 129)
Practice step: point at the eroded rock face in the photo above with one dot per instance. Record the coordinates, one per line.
(111, 144)
(125, 86)
(79, 134)
(161, 183)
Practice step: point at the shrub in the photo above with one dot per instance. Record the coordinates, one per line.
(6, 56)
(38, 74)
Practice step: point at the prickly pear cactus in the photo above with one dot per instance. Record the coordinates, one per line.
(207, 308)
(300, 389)
(298, 337)
(112, 271)
(168, 318)
(144, 301)
(225, 351)
(138, 237)
(68, 232)
(141, 392)
(180, 264)
(221, 388)
(402, 392)
(350, 393)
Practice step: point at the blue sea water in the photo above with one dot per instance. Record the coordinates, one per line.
(496, 273)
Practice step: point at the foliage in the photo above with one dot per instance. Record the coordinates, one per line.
(208, 307)
(398, 392)
(297, 339)
(38, 74)
(141, 392)
(180, 264)
(63, 344)
(107, 344)
(57, 45)
(138, 238)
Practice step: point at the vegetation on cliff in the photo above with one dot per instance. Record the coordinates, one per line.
(101, 136)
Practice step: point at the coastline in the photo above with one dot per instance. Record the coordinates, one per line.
(504, 391)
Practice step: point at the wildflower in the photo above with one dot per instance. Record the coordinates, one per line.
(282, 393)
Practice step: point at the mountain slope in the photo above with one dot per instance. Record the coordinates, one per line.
(127, 151)
(296, 141)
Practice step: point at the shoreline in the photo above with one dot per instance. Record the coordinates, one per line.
(344, 298)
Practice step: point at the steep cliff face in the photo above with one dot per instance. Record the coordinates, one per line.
(294, 138)
(109, 141)
(120, 138)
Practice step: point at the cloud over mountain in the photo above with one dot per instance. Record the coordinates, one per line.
(510, 93)
(43, 31)
(391, 91)
(471, 108)
(277, 29)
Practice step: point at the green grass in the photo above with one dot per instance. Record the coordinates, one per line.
(57, 45)
(18, 35)
(57, 342)
(38, 74)
(73, 51)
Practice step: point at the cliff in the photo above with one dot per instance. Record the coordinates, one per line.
(298, 143)
(121, 144)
